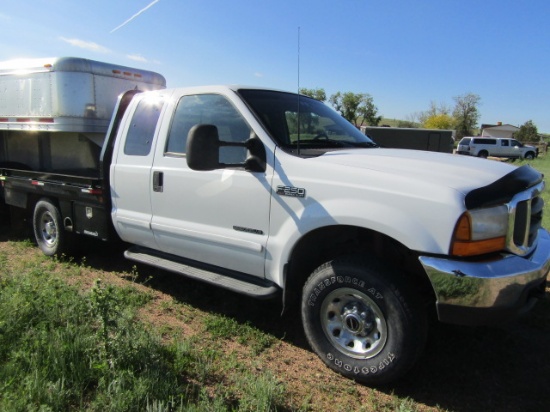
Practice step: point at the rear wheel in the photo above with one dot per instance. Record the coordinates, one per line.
(484, 154)
(363, 320)
(48, 229)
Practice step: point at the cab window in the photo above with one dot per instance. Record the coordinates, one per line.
(211, 109)
(142, 126)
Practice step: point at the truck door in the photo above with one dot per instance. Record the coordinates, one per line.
(131, 171)
(220, 217)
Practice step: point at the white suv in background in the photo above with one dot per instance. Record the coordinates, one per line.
(497, 147)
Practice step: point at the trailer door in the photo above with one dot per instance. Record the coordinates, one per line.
(433, 142)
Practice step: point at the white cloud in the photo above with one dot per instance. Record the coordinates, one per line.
(88, 45)
(257, 74)
(137, 58)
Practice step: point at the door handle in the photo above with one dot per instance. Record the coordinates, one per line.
(158, 181)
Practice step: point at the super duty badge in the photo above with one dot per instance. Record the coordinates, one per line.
(291, 191)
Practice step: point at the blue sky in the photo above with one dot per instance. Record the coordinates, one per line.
(404, 53)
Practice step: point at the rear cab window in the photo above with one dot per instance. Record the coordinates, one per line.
(142, 126)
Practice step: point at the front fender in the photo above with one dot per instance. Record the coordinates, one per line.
(417, 227)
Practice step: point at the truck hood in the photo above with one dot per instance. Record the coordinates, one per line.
(461, 173)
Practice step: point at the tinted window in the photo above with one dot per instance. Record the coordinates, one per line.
(485, 141)
(465, 141)
(504, 142)
(142, 127)
(208, 109)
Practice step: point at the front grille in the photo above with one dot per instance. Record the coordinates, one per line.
(525, 219)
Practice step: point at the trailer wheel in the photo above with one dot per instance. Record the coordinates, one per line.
(48, 229)
(364, 320)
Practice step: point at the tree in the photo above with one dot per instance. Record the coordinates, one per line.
(439, 121)
(527, 132)
(411, 121)
(466, 114)
(354, 105)
(318, 94)
(433, 111)
(368, 111)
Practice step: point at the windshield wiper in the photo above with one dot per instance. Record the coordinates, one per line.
(366, 144)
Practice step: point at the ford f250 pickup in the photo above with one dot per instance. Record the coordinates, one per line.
(274, 194)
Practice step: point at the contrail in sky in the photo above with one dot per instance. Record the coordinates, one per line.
(135, 15)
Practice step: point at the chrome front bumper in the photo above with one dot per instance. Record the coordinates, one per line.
(481, 292)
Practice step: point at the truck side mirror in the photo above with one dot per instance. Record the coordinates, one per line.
(257, 159)
(203, 150)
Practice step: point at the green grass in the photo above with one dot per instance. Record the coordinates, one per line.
(229, 329)
(64, 350)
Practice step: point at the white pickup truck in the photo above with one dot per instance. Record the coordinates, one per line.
(269, 194)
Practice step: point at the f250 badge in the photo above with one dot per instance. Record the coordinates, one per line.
(291, 191)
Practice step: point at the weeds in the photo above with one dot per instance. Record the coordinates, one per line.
(227, 328)
(62, 350)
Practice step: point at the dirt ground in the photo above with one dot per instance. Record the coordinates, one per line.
(498, 368)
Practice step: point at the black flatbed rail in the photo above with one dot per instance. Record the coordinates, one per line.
(62, 185)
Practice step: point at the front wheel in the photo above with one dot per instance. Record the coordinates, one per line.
(363, 320)
(48, 229)
(529, 155)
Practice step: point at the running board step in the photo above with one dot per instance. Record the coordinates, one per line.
(237, 282)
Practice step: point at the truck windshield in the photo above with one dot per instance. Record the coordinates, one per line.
(299, 123)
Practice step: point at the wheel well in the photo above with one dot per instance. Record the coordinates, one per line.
(325, 244)
(26, 212)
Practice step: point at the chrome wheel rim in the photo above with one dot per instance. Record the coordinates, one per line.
(48, 229)
(354, 323)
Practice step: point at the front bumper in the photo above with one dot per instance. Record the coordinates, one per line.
(482, 292)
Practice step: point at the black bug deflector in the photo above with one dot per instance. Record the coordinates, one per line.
(504, 189)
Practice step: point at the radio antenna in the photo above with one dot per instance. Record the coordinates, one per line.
(298, 141)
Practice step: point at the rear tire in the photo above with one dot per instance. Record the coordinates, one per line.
(483, 154)
(363, 320)
(49, 233)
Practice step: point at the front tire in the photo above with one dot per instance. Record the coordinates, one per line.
(529, 155)
(363, 320)
(48, 229)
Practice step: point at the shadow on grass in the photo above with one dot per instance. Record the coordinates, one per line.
(499, 368)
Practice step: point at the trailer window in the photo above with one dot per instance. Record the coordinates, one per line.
(142, 127)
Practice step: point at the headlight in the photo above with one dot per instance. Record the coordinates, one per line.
(480, 231)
